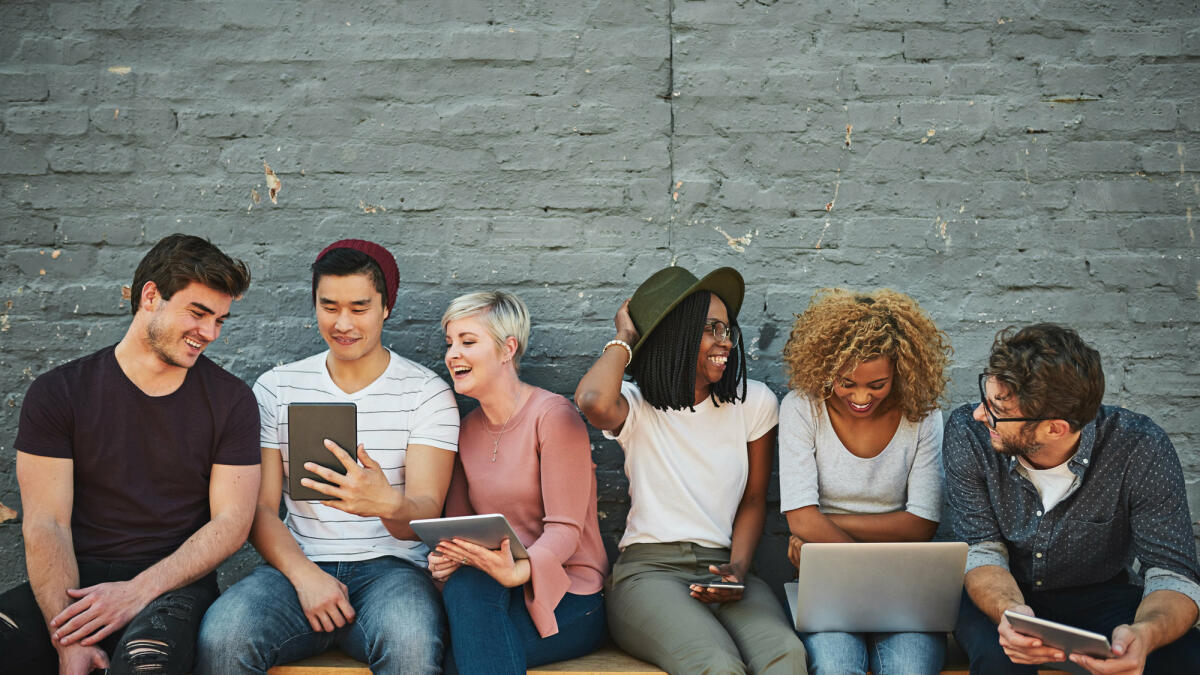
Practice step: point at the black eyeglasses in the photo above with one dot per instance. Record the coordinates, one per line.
(723, 331)
(991, 416)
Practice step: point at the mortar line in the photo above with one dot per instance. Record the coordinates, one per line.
(671, 131)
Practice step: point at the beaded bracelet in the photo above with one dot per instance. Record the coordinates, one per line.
(623, 344)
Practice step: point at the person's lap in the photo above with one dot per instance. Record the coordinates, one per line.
(259, 622)
(879, 653)
(490, 626)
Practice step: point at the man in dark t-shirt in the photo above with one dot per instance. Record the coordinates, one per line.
(138, 468)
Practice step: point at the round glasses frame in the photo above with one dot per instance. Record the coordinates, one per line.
(723, 331)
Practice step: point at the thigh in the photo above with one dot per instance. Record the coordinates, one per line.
(163, 635)
(581, 629)
(24, 639)
(400, 624)
(652, 616)
(255, 624)
(978, 636)
(832, 653)
(762, 632)
(907, 653)
(1181, 656)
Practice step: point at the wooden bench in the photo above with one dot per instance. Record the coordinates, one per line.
(607, 659)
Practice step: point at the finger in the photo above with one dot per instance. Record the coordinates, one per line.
(99, 635)
(325, 473)
(366, 460)
(313, 621)
(326, 624)
(75, 633)
(69, 612)
(346, 609)
(99, 659)
(80, 592)
(341, 455)
(471, 547)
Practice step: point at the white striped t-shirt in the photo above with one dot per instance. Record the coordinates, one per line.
(408, 403)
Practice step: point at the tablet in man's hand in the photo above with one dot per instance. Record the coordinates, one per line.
(1070, 639)
(309, 424)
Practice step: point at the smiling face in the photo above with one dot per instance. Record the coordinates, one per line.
(472, 356)
(862, 391)
(1011, 438)
(181, 328)
(713, 356)
(350, 315)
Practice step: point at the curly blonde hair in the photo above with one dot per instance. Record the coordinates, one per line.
(841, 329)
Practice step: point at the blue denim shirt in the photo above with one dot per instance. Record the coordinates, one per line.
(1128, 501)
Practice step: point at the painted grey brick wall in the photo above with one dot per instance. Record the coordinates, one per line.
(1002, 162)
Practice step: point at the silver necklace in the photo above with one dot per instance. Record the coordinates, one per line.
(503, 428)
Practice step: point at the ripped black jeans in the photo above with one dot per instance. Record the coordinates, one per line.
(160, 639)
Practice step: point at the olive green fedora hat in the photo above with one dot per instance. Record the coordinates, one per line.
(666, 288)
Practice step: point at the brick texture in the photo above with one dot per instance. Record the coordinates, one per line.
(1001, 166)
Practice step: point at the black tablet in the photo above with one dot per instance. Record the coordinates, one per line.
(309, 424)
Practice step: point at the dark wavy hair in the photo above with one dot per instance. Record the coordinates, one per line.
(665, 366)
(180, 259)
(1050, 370)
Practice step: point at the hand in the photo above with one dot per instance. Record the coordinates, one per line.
(1129, 654)
(625, 329)
(362, 490)
(80, 659)
(442, 566)
(97, 611)
(794, 544)
(498, 564)
(1022, 648)
(324, 599)
(728, 574)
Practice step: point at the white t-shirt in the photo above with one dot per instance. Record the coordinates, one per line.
(816, 468)
(687, 470)
(1053, 484)
(408, 403)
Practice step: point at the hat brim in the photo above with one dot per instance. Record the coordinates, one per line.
(725, 282)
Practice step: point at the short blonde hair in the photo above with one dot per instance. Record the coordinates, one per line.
(504, 314)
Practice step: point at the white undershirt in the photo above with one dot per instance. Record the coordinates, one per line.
(1053, 484)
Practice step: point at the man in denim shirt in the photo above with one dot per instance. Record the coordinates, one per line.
(1057, 494)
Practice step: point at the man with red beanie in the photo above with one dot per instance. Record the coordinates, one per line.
(347, 571)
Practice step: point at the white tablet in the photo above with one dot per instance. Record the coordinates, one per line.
(1070, 639)
(486, 530)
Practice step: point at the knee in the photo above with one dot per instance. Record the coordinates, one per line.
(789, 656)
(469, 585)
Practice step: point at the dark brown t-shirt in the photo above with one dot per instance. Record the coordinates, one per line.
(142, 463)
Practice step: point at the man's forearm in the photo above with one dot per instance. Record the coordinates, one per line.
(50, 560)
(993, 590)
(275, 543)
(408, 510)
(1164, 616)
(208, 547)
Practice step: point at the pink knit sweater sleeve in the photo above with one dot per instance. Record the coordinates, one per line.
(566, 471)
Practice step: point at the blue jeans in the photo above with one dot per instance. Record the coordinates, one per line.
(880, 653)
(491, 630)
(258, 622)
(1098, 607)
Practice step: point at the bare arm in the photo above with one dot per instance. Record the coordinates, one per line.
(427, 479)
(599, 392)
(894, 526)
(747, 522)
(810, 525)
(993, 590)
(101, 609)
(324, 599)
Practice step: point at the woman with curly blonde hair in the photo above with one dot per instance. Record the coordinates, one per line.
(860, 438)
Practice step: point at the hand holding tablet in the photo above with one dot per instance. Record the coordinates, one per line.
(1069, 639)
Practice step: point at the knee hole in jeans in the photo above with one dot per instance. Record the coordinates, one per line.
(6, 622)
(146, 656)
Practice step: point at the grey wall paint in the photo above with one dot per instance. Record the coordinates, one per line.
(1002, 162)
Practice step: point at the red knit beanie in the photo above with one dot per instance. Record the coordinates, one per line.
(387, 264)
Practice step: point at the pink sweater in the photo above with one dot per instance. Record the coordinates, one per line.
(544, 482)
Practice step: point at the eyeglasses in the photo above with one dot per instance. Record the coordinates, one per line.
(991, 415)
(723, 331)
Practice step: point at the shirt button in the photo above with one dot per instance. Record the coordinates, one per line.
(1038, 583)
(1084, 461)
(1039, 555)
(1038, 513)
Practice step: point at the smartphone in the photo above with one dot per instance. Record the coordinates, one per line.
(309, 424)
(1070, 639)
(706, 583)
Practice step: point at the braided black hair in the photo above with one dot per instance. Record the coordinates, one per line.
(665, 367)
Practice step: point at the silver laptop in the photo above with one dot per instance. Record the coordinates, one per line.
(878, 587)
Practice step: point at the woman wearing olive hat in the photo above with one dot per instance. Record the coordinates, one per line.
(698, 438)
